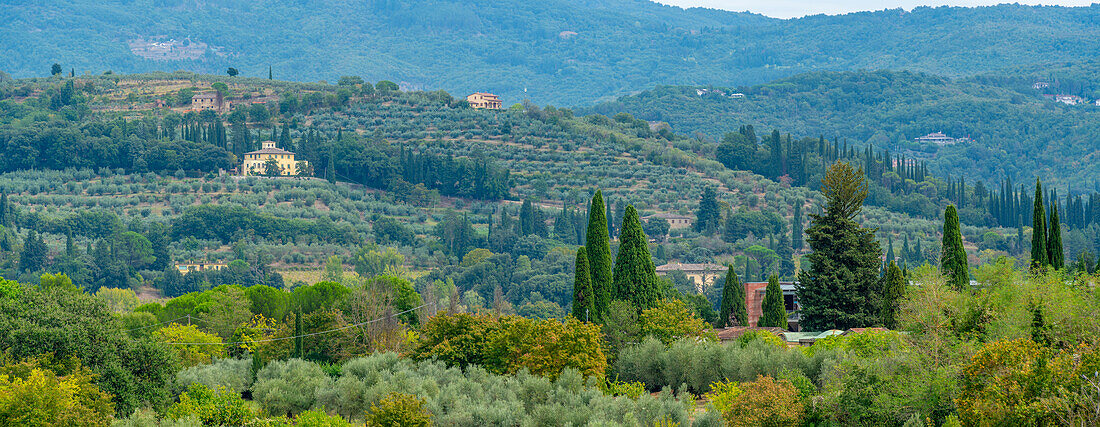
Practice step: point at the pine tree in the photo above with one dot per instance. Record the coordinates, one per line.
(597, 245)
(635, 277)
(953, 261)
(893, 290)
(796, 228)
(583, 307)
(842, 288)
(270, 76)
(1054, 239)
(733, 311)
(708, 216)
(774, 314)
(1038, 230)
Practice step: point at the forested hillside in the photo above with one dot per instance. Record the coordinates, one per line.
(1017, 132)
(565, 52)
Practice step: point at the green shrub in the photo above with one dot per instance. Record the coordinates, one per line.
(212, 407)
(289, 387)
(399, 410)
(234, 375)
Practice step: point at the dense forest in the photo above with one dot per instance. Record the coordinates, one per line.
(1016, 132)
(564, 52)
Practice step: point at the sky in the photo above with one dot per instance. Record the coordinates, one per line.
(799, 8)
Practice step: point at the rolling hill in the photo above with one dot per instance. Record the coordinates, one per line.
(558, 51)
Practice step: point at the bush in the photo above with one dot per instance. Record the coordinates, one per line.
(698, 364)
(41, 397)
(289, 387)
(766, 402)
(670, 320)
(398, 410)
(234, 375)
(213, 407)
(510, 343)
(206, 347)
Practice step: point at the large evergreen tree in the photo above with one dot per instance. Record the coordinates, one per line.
(635, 277)
(841, 289)
(583, 299)
(953, 263)
(709, 214)
(773, 315)
(35, 251)
(598, 247)
(893, 290)
(1038, 230)
(786, 256)
(733, 311)
(1057, 258)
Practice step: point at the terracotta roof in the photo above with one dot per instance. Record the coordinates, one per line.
(675, 266)
(270, 151)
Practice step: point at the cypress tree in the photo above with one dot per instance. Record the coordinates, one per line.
(786, 256)
(953, 261)
(774, 314)
(35, 251)
(709, 215)
(4, 210)
(1054, 239)
(583, 307)
(733, 311)
(298, 350)
(796, 228)
(597, 245)
(1038, 230)
(893, 290)
(635, 277)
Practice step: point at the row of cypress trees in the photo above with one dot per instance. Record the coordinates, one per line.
(1046, 242)
(597, 281)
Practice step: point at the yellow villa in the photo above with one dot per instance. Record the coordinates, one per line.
(484, 100)
(255, 162)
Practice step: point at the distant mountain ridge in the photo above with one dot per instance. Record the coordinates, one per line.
(555, 51)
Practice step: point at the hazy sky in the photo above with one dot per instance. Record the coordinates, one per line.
(797, 8)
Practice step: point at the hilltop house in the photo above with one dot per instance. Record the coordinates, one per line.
(210, 101)
(199, 266)
(484, 100)
(255, 162)
(702, 275)
(938, 138)
(674, 221)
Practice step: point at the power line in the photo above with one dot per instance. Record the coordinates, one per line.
(304, 335)
(188, 317)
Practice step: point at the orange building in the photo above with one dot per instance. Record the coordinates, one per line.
(484, 100)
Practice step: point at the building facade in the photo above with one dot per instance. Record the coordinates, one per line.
(210, 101)
(484, 100)
(754, 302)
(255, 162)
(674, 221)
(702, 275)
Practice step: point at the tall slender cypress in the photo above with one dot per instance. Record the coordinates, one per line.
(953, 261)
(796, 227)
(598, 247)
(1054, 239)
(635, 277)
(1038, 230)
(4, 210)
(892, 291)
(583, 300)
(774, 314)
(733, 311)
(299, 349)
